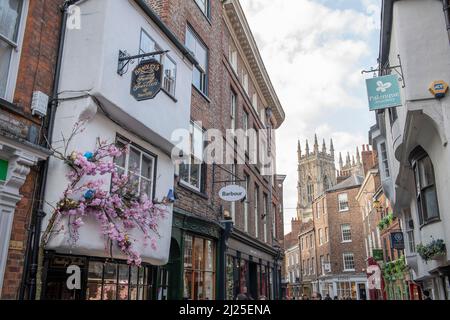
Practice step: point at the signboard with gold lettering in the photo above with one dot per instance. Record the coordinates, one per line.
(146, 79)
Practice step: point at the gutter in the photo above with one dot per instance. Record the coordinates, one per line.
(31, 263)
(169, 34)
(447, 16)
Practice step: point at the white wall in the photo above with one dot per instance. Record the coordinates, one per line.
(90, 63)
(419, 35)
(91, 241)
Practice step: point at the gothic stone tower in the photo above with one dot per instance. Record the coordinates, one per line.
(316, 174)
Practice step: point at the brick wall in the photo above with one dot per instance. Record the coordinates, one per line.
(36, 72)
(335, 220)
(214, 112)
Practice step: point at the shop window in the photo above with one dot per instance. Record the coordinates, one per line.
(346, 290)
(199, 268)
(113, 281)
(426, 196)
(101, 280)
(139, 165)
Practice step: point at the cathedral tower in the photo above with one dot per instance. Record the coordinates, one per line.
(316, 174)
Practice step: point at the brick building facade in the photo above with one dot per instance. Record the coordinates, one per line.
(32, 33)
(231, 90)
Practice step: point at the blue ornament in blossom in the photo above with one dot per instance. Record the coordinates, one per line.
(89, 155)
(89, 195)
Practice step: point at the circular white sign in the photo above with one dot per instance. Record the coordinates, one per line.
(232, 193)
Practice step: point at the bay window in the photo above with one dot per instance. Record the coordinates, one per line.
(148, 45)
(200, 52)
(139, 165)
(426, 196)
(190, 171)
(11, 16)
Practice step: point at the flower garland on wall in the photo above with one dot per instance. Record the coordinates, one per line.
(118, 210)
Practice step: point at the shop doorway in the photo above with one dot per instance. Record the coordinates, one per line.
(253, 279)
(362, 291)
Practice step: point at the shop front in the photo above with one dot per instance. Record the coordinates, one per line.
(251, 269)
(194, 258)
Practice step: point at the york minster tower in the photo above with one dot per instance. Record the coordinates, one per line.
(316, 174)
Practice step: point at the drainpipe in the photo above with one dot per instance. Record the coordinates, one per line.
(38, 213)
(447, 16)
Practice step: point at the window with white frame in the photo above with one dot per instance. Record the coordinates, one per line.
(233, 104)
(320, 237)
(200, 73)
(308, 263)
(245, 128)
(313, 269)
(204, 5)
(265, 213)
(349, 261)
(148, 45)
(343, 202)
(233, 56)
(139, 165)
(11, 17)
(318, 210)
(322, 265)
(409, 228)
(255, 101)
(256, 200)
(247, 188)
(233, 203)
(384, 160)
(346, 231)
(326, 235)
(190, 171)
(245, 81)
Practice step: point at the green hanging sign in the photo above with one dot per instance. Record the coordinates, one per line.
(3, 169)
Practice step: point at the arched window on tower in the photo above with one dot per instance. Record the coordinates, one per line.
(326, 184)
(310, 189)
(426, 196)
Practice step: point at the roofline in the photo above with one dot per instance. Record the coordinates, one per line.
(371, 172)
(277, 109)
(385, 32)
(169, 34)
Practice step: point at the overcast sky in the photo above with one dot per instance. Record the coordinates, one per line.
(314, 51)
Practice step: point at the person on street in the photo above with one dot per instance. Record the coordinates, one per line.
(426, 294)
(327, 297)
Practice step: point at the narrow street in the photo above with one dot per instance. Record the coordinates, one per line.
(224, 150)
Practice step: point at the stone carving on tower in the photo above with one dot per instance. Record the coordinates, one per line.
(316, 174)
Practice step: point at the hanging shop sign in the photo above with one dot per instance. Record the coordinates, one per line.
(383, 92)
(397, 240)
(232, 193)
(377, 254)
(146, 79)
(439, 89)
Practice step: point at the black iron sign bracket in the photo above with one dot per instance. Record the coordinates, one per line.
(398, 69)
(125, 59)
